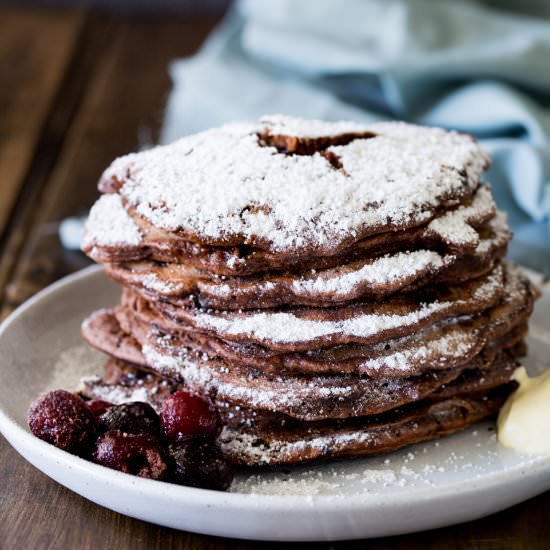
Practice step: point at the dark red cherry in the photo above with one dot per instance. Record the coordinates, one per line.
(184, 413)
(98, 406)
(133, 418)
(199, 462)
(62, 419)
(136, 454)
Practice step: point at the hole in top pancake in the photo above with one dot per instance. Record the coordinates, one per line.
(292, 145)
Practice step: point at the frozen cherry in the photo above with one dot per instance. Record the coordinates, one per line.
(98, 406)
(184, 413)
(136, 454)
(63, 419)
(132, 418)
(199, 462)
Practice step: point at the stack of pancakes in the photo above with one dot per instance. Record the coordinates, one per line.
(335, 289)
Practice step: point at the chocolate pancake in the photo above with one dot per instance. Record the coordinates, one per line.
(297, 444)
(240, 189)
(109, 222)
(253, 438)
(371, 279)
(300, 329)
(446, 344)
(308, 398)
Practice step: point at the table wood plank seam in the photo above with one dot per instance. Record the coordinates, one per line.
(50, 145)
(35, 49)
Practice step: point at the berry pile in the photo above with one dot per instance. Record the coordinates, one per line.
(178, 445)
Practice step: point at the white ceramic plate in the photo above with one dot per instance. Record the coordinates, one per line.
(430, 485)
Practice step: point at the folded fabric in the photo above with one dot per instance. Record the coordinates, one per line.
(456, 64)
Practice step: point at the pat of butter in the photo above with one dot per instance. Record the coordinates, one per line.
(524, 420)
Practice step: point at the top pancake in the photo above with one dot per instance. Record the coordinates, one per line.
(455, 230)
(287, 185)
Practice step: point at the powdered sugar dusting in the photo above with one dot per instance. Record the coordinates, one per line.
(311, 483)
(287, 327)
(116, 394)
(499, 226)
(343, 282)
(205, 377)
(454, 226)
(455, 343)
(382, 271)
(152, 282)
(110, 225)
(320, 396)
(222, 184)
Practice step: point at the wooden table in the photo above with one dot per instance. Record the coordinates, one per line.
(78, 90)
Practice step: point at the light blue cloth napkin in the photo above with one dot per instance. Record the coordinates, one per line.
(455, 64)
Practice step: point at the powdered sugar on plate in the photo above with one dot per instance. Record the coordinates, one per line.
(423, 465)
(72, 364)
(309, 483)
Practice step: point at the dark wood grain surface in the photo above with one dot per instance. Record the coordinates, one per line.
(78, 90)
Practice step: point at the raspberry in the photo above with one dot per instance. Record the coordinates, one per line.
(198, 462)
(64, 420)
(132, 418)
(184, 413)
(98, 406)
(136, 454)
